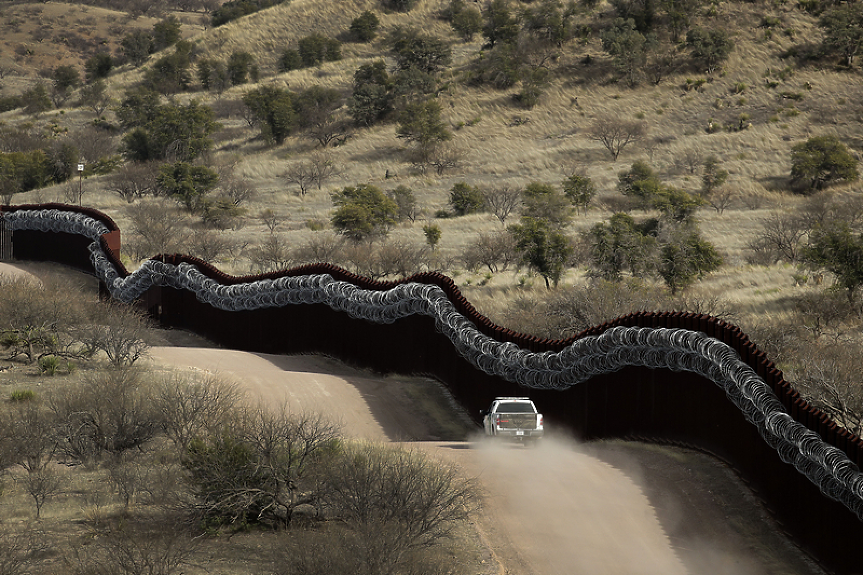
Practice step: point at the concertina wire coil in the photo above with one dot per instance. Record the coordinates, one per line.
(657, 348)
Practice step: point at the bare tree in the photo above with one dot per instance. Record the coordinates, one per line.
(502, 201)
(302, 174)
(269, 218)
(398, 258)
(42, 484)
(195, 406)
(615, 134)
(137, 548)
(210, 245)
(781, 238)
(496, 251)
(17, 549)
(323, 168)
(94, 143)
(722, 198)
(445, 157)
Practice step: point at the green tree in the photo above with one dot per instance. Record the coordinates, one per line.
(166, 33)
(550, 21)
(545, 202)
(835, 248)
(641, 12)
(676, 205)
(188, 184)
(363, 211)
(98, 66)
(315, 109)
(95, 96)
(137, 46)
(170, 73)
(620, 245)
(678, 15)
(372, 98)
(420, 124)
(544, 248)
(138, 107)
(37, 100)
(686, 257)
(467, 22)
(501, 25)
(178, 132)
(640, 182)
(711, 47)
(364, 27)
(433, 234)
(273, 110)
(821, 161)
(64, 79)
(843, 30)
(317, 48)
(241, 66)
(580, 190)
(413, 49)
(628, 47)
(466, 199)
(712, 177)
(404, 198)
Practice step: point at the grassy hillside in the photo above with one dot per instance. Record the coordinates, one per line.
(501, 143)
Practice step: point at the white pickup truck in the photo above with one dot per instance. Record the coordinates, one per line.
(513, 418)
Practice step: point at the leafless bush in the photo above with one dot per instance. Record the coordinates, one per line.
(691, 160)
(137, 548)
(822, 311)
(269, 218)
(829, 377)
(94, 143)
(194, 406)
(321, 247)
(259, 468)
(577, 308)
(210, 245)
(17, 548)
(827, 206)
(395, 501)
(445, 157)
(502, 201)
(495, 250)
(159, 228)
(270, 255)
(399, 258)
(238, 190)
(134, 181)
(109, 413)
(118, 330)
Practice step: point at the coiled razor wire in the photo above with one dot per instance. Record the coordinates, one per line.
(679, 350)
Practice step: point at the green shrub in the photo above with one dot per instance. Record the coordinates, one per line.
(364, 28)
(22, 395)
(290, 60)
(317, 48)
(49, 364)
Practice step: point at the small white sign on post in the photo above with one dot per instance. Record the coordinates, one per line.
(80, 167)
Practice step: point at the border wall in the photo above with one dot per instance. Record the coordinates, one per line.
(674, 407)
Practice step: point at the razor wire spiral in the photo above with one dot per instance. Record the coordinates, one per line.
(657, 348)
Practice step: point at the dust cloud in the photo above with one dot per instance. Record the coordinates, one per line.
(566, 512)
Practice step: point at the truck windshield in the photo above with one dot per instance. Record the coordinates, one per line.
(515, 408)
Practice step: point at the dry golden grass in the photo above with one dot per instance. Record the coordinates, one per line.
(502, 144)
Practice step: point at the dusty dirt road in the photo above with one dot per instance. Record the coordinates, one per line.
(608, 508)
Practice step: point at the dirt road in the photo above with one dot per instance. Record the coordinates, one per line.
(608, 508)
